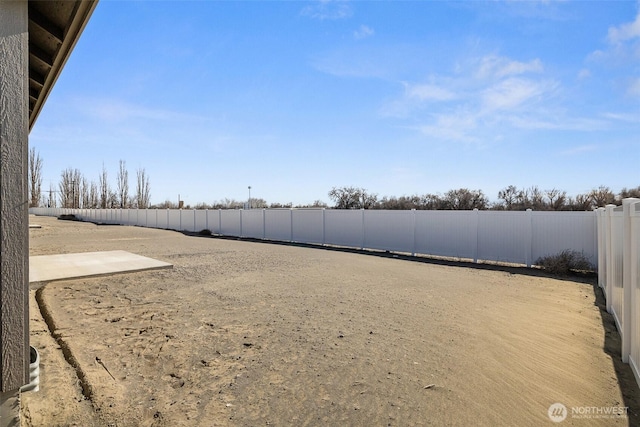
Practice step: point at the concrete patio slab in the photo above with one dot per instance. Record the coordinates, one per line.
(47, 268)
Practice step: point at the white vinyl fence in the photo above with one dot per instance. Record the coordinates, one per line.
(619, 273)
(500, 236)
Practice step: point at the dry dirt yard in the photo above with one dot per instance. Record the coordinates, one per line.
(250, 334)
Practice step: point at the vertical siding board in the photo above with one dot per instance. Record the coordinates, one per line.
(14, 217)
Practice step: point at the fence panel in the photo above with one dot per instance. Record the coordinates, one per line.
(277, 224)
(213, 218)
(230, 223)
(201, 220)
(634, 304)
(446, 233)
(617, 254)
(390, 230)
(151, 218)
(103, 216)
(502, 236)
(173, 222)
(308, 226)
(252, 223)
(141, 217)
(162, 218)
(187, 220)
(554, 232)
(344, 228)
(602, 246)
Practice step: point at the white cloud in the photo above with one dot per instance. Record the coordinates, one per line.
(555, 121)
(625, 31)
(579, 149)
(625, 117)
(428, 92)
(456, 126)
(328, 10)
(512, 93)
(499, 67)
(624, 44)
(363, 32)
(461, 107)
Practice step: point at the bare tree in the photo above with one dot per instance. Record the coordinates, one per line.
(94, 202)
(123, 185)
(536, 198)
(69, 188)
(51, 203)
(557, 199)
(582, 202)
(112, 200)
(509, 196)
(352, 198)
(104, 188)
(465, 199)
(35, 177)
(84, 193)
(628, 192)
(602, 196)
(143, 195)
(167, 204)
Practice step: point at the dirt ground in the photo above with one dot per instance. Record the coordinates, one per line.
(250, 334)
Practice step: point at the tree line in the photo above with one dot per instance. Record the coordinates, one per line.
(74, 190)
(509, 198)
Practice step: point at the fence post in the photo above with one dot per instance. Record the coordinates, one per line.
(220, 221)
(528, 238)
(627, 264)
(609, 249)
(634, 297)
(601, 246)
(241, 234)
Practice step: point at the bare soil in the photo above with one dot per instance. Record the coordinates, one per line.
(247, 334)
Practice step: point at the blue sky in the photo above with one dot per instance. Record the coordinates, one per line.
(293, 98)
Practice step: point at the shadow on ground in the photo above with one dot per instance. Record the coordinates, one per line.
(612, 346)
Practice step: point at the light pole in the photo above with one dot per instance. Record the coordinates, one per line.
(249, 197)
